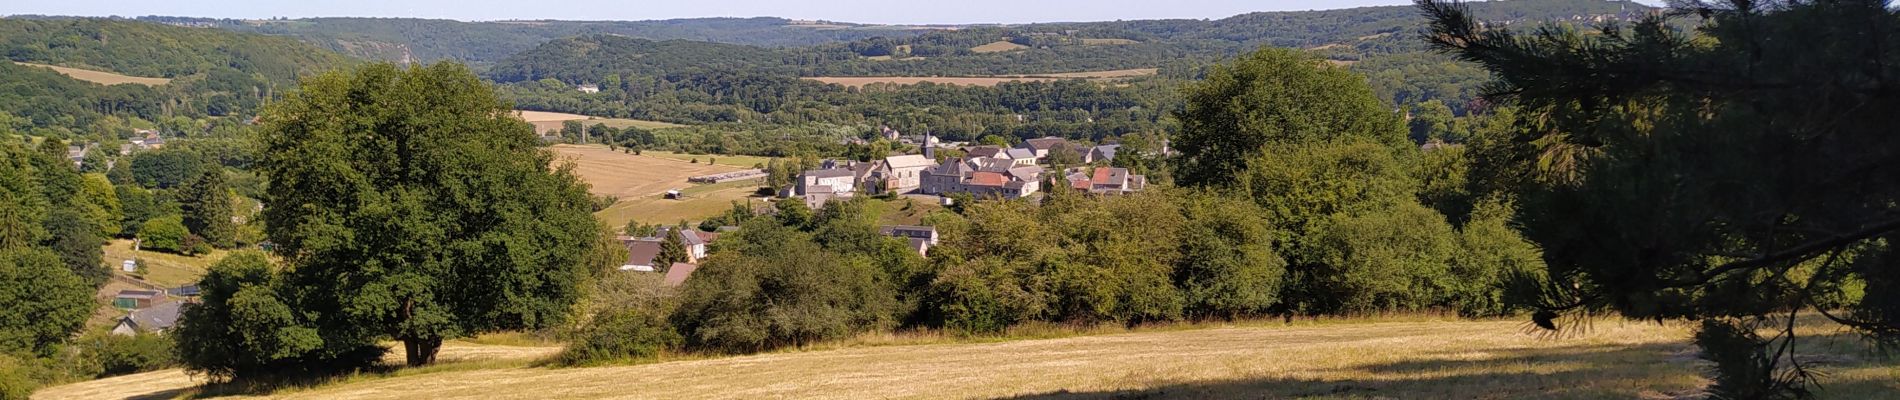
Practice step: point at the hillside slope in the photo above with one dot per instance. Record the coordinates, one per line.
(1417, 359)
(157, 50)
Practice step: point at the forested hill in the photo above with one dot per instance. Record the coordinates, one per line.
(212, 73)
(591, 58)
(1300, 29)
(156, 50)
(429, 40)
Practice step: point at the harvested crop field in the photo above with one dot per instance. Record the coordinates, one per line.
(616, 173)
(1418, 358)
(544, 121)
(171, 383)
(986, 81)
(998, 47)
(100, 77)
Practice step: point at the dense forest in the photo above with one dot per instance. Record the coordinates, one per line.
(431, 40)
(213, 73)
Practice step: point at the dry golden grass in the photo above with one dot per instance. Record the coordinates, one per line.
(171, 383)
(615, 173)
(1119, 73)
(545, 121)
(622, 123)
(743, 162)
(641, 181)
(859, 81)
(1408, 357)
(100, 77)
(985, 81)
(998, 47)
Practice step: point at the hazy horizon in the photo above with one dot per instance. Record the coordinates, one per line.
(854, 11)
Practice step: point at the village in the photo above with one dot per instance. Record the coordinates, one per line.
(983, 172)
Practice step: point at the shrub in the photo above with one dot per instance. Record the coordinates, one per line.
(772, 286)
(165, 233)
(621, 333)
(16, 382)
(119, 355)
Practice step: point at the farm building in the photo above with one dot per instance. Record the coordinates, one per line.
(156, 319)
(135, 299)
(640, 255)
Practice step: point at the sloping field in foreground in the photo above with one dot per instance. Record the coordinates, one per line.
(1420, 359)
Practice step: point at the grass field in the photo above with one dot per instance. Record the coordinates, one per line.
(986, 81)
(998, 47)
(164, 269)
(1407, 358)
(701, 201)
(1107, 42)
(100, 77)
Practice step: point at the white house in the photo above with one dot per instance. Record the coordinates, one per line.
(904, 173)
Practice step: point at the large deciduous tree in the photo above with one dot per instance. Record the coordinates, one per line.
(1744, 172)
(410, 205)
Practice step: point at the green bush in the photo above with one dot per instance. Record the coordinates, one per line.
(16, 382)
(772, 286)
(165, 233)
(119, 355)
(621, 333)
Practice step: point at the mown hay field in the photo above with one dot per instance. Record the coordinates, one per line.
(100, 77)
(617, 173)
(641, 181)
(545, 121)
(998, 47)
(1412, 358)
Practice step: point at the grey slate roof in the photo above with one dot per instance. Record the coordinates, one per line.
(829, 173)
(1021, 153)
(158, 317)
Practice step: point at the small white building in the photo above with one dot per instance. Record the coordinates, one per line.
(589, 88)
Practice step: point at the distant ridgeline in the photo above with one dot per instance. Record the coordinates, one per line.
(749, 70)
(700, 82)
(210, 72)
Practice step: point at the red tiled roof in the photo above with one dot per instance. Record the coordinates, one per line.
(988, 179)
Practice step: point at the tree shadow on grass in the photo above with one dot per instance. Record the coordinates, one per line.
(1654, 371)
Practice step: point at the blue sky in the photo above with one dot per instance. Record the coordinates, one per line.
(866, 11)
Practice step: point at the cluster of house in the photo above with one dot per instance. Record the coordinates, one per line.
(984, 171)
(143, 139)
(644, 251)
(151, 311)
